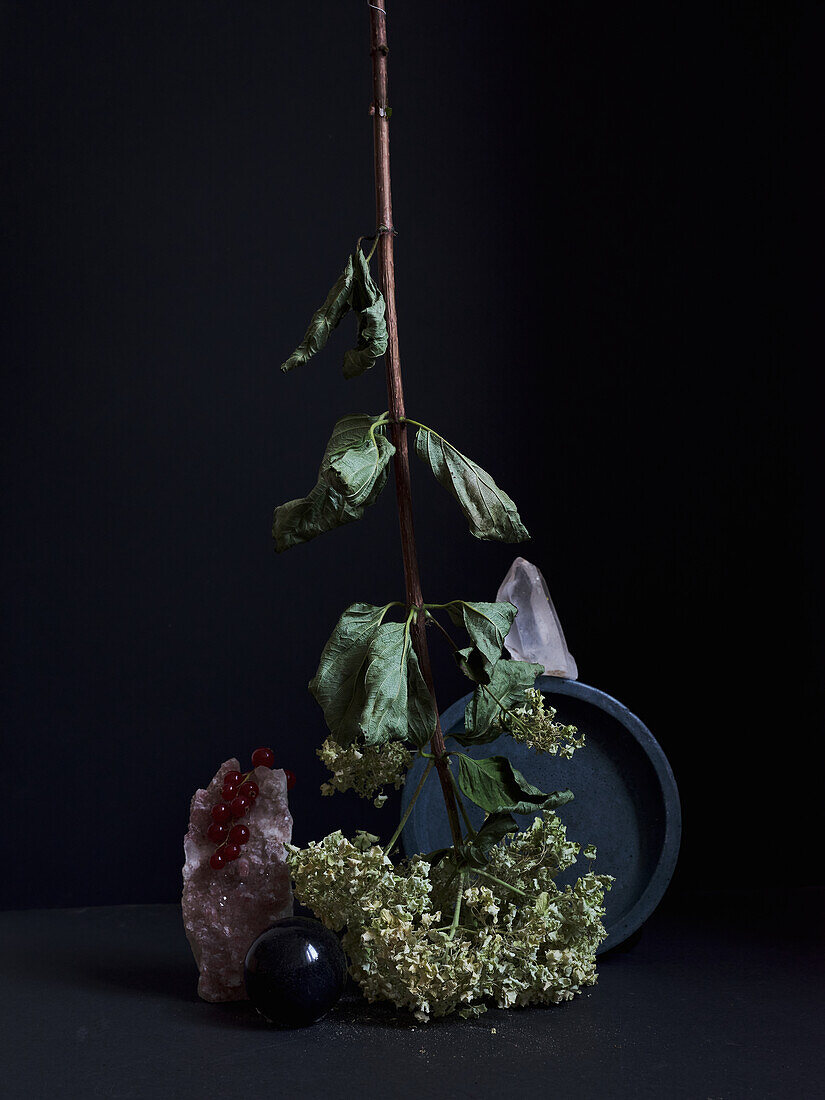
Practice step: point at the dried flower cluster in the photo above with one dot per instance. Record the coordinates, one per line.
(534, 725)
(520, 940)
(365, 768)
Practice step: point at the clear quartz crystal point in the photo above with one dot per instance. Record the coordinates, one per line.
(536, 635)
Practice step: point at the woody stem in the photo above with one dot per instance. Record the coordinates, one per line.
(383, 205)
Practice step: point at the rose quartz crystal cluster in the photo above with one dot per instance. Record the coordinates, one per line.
(225, 911)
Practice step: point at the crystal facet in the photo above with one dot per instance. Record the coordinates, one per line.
(225, 911)
(536, 635)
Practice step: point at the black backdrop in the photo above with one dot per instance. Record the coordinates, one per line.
(593, 207)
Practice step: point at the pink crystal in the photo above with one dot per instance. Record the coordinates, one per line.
(536, 635)
(225, 911)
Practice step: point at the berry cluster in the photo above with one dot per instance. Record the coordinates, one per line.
(238, 798)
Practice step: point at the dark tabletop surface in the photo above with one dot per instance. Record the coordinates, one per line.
(720, 998)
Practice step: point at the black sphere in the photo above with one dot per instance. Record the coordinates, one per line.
(295, 972)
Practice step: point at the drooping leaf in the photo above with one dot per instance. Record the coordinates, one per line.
(397, 703)
(508, 683)
(368, 303)
(494, 829)
(488, 625)
(352, 473)
(369, 681)
(490, 513)
(471, 663)
(338, 685)
(495, 785)
(354, 289)
(362, 463)
(475, 851)
(385, 685)
(421, 712)
(324, 320)
(437, 855)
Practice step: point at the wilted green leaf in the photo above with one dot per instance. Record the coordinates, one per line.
(421, 712)
(324, 320)
(352, 473)
(369, 682)
(508, 683)
(495, 785)
(362, 461)
(475, 852)
(494, 829)
(338, 685)
(356, 290)
(471, 663)
(488, 624)
(391, 674)
(490, 513)
(437, 855)
(368, 303)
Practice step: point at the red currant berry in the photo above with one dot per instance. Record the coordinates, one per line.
(230, 852)
(229, 792)
(263, 758)
(238, 834)
(233, 779)
(217, 861)
(249, 790)
(290, 779)
(221, 813)
(216, 833)
(240, 806)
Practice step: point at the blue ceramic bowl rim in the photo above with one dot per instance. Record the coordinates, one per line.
(653, 893)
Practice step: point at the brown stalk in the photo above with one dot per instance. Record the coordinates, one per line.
(383, 212)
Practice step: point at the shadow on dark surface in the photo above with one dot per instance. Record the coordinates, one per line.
(173, 979)
(234, 1015)
(351, 1009)
(707, 1003)
(131, 950)
(141, 952)
(94, 968)
(621, 948)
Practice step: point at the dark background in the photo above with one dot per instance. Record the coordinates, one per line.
(597, 213)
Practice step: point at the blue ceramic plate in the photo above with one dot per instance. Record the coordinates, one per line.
(626, 801)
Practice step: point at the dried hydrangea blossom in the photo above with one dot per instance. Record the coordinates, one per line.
(534, 725)
(364, 768)
(508, 949)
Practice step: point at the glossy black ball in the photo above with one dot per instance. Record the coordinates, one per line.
(295, 972)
